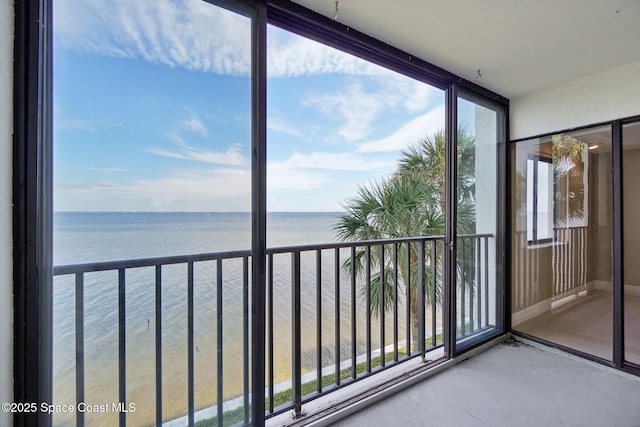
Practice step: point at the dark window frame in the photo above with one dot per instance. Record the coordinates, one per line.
(32, 174)
(537, 159)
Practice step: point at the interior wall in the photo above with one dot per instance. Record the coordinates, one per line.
(608, 95)
(6, 138)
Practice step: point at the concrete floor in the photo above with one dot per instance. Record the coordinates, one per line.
(507, 385)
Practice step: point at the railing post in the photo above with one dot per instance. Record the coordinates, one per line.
(245, 338)
(270, 327)
(421, 334)
(407, 287)
(479, 281)
(220, 329)
(158, 329)
(434, 291)
(395, 302)
(463, 288)
(368, 307)
(383, 285)
(353, 312)
(337, 315)
(122, 367)
(319, 321)
(486, 279)
(190, 346)
(80, 346)
(296, 350)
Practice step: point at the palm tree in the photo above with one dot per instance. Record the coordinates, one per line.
(410, 203)
(569, 172)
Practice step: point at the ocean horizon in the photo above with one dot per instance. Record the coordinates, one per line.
(88, 237)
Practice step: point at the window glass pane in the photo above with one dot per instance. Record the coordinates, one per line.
(562, 289)
(152, 152)
(545, 201)
(530, 195)
(355, 152)
(631, 240)
(478, 170)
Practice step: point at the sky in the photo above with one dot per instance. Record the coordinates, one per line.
(152, 112)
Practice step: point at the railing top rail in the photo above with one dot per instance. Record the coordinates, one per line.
(181, 259)
(146, 262)
(348, 244)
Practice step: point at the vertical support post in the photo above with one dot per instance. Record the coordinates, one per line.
(463, 286)
(383, 304)
(395, 302)
(486, 279)
(80, 346)
(618, 242)
(245, 339)
(122, 358)
(319, 321)
(296, 350)
(479, 280)
(258, 208)
(270, 329)
(158, 331)
(220, 329)
(368, 308)
(407, 287)
(338, 351)
(421, 334)
(434, 291)
(451, 197)
(353, 313)
(190, 346)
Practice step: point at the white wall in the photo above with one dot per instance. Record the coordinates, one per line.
(6, 269)
(608, 95)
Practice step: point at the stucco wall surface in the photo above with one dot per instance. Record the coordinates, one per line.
(607, 95)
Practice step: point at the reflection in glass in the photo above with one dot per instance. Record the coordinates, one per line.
(561, 257)
(631, 240)
(476, 219)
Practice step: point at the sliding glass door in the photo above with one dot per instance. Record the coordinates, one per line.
(478, 213)
(631, 240)
(562, 223)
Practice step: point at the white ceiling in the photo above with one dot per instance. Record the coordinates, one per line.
(520, 46)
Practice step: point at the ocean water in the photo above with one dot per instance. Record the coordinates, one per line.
(95, 237)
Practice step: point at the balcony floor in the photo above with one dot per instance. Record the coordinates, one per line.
(512, 385)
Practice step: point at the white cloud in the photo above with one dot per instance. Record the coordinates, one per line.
(191, 34)
(333, 161)
(281, 177)
(279, 124)
(225, 189)
(196, 126)
(426, 124)
(290, 56)
(232, 156)
(354, 106)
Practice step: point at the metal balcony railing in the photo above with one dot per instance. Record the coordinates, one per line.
(337, 301)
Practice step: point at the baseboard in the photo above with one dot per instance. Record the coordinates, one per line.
(531, 312)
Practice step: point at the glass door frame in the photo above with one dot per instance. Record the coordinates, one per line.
(453, 347)
(617, 277)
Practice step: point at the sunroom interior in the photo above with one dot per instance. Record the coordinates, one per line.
(550, 255)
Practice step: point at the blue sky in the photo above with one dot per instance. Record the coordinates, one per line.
(152, 112)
